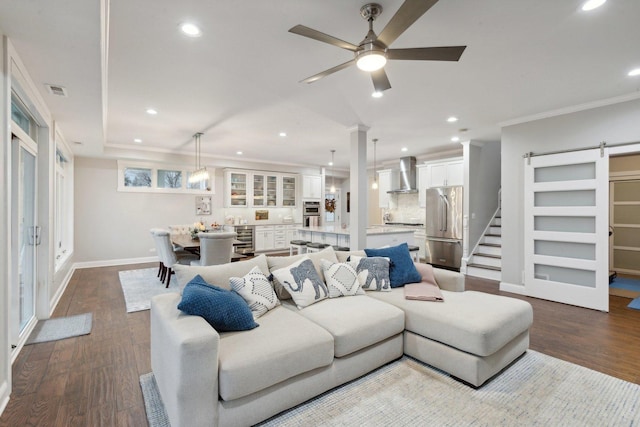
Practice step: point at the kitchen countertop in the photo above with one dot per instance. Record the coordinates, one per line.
(332, 229)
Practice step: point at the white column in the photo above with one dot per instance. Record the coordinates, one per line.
(359, 188)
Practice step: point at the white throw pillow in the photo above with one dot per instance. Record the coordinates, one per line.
(255, 288)
(303, 282)
(342, 279)
(373, 272)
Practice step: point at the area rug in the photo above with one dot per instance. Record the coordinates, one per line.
(140, 285)
(625, 287)
(635, 304)
(536, 390)
(60, 328)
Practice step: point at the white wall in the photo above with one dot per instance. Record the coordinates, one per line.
(483, 169)
(615, 123)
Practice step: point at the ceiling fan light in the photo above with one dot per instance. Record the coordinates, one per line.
(377, 94)
(371, 61)
(592, 4)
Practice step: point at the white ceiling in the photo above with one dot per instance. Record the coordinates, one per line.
(239, 82)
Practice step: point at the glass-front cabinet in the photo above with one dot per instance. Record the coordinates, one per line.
(236, 193)
(265, 190)
(289, 191)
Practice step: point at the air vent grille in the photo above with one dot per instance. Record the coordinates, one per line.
(57, 90)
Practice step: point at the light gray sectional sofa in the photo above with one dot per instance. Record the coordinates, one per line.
(208, 378)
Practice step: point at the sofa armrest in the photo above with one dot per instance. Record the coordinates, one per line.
(184, 360)
(449, 280)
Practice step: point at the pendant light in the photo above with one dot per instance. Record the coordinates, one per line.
(200, 173)
(374, 186)
(333, 178)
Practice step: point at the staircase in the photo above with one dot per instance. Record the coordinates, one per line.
(486, 261)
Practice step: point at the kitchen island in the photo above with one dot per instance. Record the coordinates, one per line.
(376, 236)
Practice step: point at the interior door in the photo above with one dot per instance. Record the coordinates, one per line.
(566, 228)
(25, 236)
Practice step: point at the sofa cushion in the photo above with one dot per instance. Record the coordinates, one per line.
(341, 279)
(219, 274)
(303, 282)
(474, 322)
(356, 322)
(255, 288)
(277, 262)
(285, 345)
(402, 270)
(373, 272)
(223, 309)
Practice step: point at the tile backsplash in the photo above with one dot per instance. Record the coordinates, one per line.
(405, 208)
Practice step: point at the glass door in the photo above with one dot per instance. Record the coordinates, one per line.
(25, 235)
(258, 190)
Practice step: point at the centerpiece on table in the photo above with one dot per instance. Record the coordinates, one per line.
(200, 227)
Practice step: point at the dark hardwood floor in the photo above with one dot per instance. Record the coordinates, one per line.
(93, 380)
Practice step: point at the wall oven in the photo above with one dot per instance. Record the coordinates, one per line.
(311, 213)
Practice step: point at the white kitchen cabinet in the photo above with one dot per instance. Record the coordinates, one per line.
(264, 190)
(343, 240)
(423, 184)
(385, 183)
(265, 238)
(292, 233)
(288, 191)
(311, 187)
(237, 189)
(446, 174)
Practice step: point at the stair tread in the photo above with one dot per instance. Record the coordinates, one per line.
(487, 255)
(486, 267)
(493, 235)
(493, 245)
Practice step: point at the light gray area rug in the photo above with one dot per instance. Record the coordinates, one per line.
(537, 390)
(140, 285)
(60, 328)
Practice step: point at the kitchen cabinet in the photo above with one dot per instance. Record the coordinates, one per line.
(446, 174)
(311, 187)
(343, 240)
(385, 183)
(264, 190)
(236, 189)
(423, 184)
(265, 238)
(292, 233)
(279, 237)
(288, 193)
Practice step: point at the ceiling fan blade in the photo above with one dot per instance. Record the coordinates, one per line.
(408, 13)
(325, 73)
(380, 80)
(444, 53)
(301, 30)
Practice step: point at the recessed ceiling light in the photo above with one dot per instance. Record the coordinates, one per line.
(239, 153)
(592, 4)
(403, 149)
(283, 134)
(452, 119)
(190, 29)
(137, 140)
(151, 111)
(455, 139)
(634, 72)
(377, 94)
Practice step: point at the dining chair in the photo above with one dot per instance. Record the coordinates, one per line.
(168, 255)
(215, 248)
(159, 251)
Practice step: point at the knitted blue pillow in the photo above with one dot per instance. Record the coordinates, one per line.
(402, 270)
(224, 310)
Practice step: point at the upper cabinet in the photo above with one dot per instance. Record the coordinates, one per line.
(385, 183)
(236, 189)
(260, 189)
(311, 187)
(423, 184)
(446, 174)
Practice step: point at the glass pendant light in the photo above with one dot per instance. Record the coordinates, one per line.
(200, 173)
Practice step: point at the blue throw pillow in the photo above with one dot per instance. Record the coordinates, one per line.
(224, 310)
(402, 270)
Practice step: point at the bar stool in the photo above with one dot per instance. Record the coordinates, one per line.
(414, 251)
(341, 248)
(299, 245)
(316, 247)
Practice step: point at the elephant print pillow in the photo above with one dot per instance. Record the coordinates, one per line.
(303, 282)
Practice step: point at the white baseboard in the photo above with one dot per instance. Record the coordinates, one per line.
(513, 288)
(4, 395)
(63, 287)
(112, 262)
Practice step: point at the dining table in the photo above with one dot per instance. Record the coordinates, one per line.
(185, 242)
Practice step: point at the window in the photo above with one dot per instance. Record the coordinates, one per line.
(63, 221)
(147, 177)
(20, 114)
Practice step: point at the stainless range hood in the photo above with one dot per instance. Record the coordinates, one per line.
(407, 176)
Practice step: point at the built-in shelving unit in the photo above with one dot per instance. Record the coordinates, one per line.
(625, 220)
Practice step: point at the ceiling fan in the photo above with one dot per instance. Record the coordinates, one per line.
(371, 54)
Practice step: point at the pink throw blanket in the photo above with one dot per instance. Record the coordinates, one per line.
(427, 289)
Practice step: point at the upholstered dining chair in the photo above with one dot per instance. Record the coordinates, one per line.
(215, 248)
(167, 255)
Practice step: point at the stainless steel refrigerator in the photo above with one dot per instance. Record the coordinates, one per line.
(444, 226)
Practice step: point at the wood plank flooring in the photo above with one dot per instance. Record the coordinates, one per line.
(92, 380)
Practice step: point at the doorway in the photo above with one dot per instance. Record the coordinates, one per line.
(332, 208)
